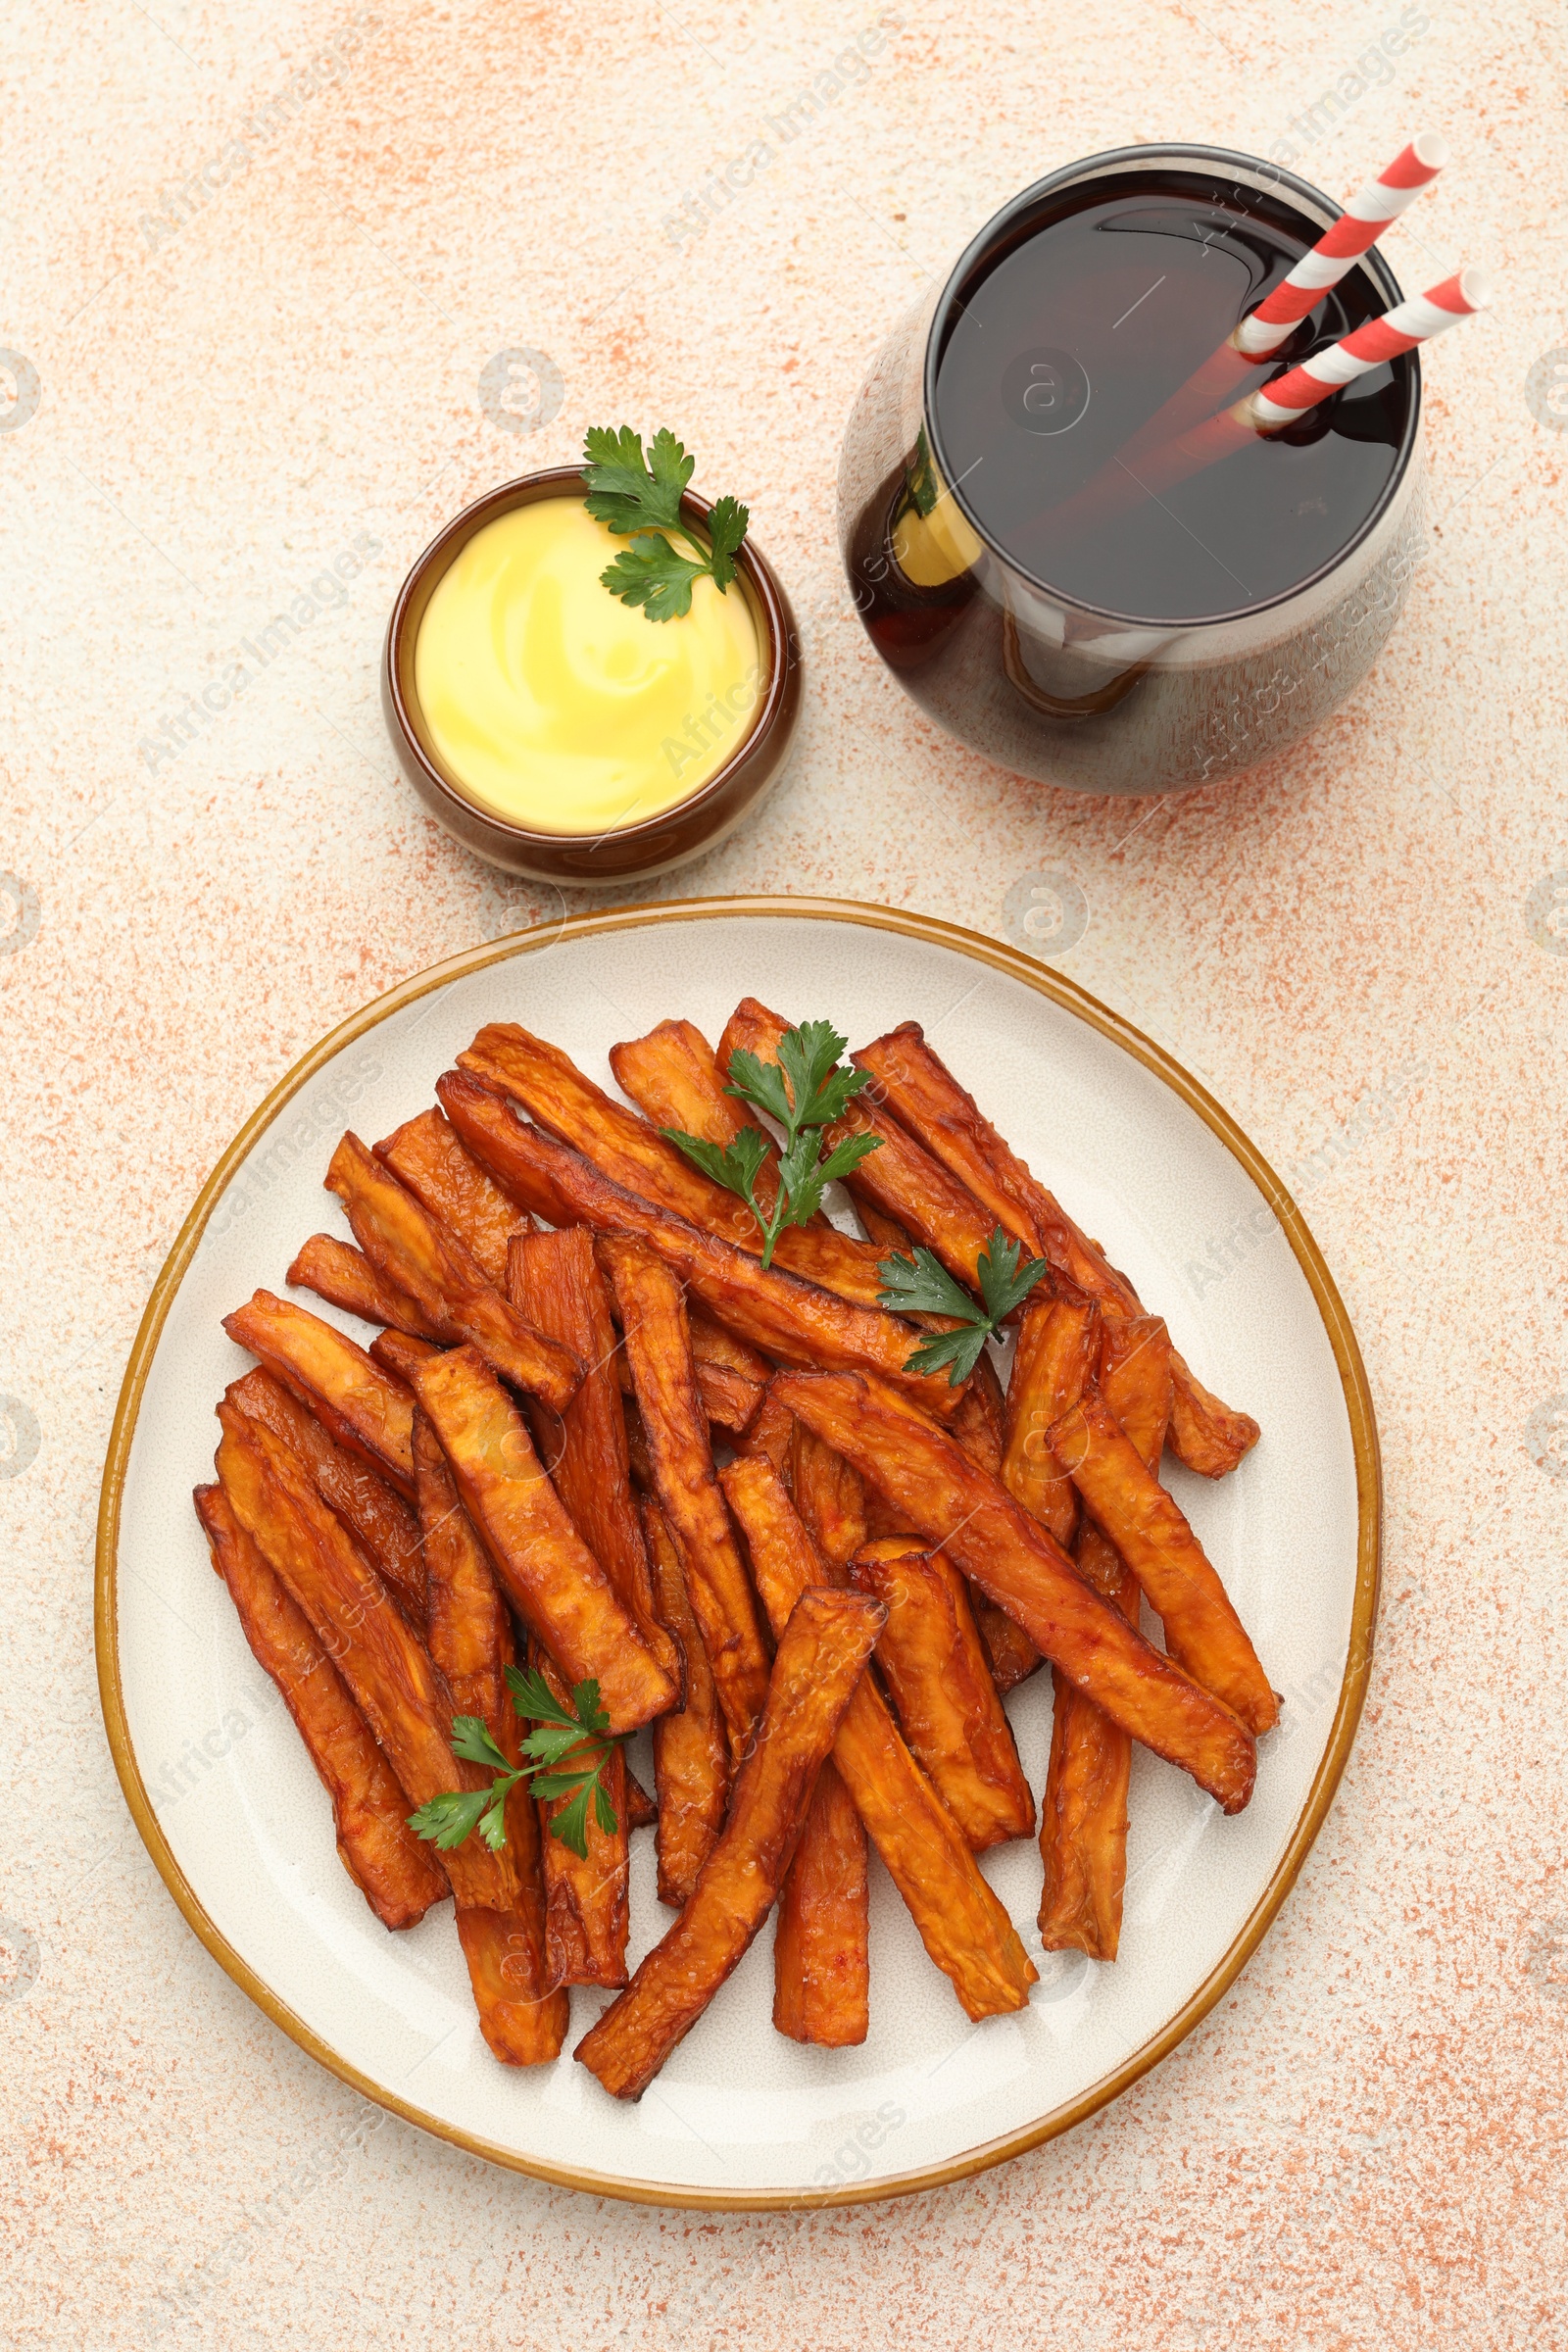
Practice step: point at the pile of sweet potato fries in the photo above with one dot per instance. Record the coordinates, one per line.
(595, 1437)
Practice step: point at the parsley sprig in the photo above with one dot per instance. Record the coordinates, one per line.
(922, 1285)
(564, 1755)
(815, 1093)
(639, 498)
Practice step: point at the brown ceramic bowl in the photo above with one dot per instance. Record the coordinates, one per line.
(633, 852)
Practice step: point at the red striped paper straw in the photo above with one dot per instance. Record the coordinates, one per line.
(1335, 253)
(1262, 413)
(1357, 229)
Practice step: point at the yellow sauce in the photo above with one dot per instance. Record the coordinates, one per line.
(554, 704)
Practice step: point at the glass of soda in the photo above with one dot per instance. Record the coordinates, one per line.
(1163, 640)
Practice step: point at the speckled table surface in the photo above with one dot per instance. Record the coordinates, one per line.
(260, 270)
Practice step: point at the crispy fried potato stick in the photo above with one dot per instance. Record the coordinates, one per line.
(627, 1150)
(691, 1747)
(652, 1313)
(919, 1089)
(408, 1709)
(962, 1924)
(586, 1913)
(395, 1871)
(673, 1077)
(428, 1158)
(821, 1943)
(899, 1183)
(1083, 1813)
(772, 1435)
(641, 1811)
(548, 1573)
(979, 1428)
(368, 1506)
(770, 1309)
(941, 1689)
(727, 1398)
(470, 1643)
(554, 1279)
(821, 1946)
(821, 1656)
(997, 1544)
(399, 1353)
(360, 1404)
(830, 1497)
(400, 1237)
(1058, 1351)
(1149, 1530)
(344, 1277)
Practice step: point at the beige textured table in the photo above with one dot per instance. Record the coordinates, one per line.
(263, 269)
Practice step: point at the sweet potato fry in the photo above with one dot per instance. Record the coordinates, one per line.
(399, 1353)
(942, 1691)
(673, 1077)
(396, 1873)
(713, 1344)
(554, 1279)
(1058, 1351)
(775, 1312)
(899, 1183)
(922, 1092)
(1149, 1529)
(468, 1633)
(641, 1811)
(470, 1643)
(1083, 1812)
(408, 1708)
(366, 1506)
(980, 1422)
(962, 1924)
(344, 1277)
(691, 1747)
(729, 1401)
(821, 1943)
(829, 1495)
(652, 1313)
(430, 1162)
(1020, 1565)
(363, 1406)
(586, 1913)
(772, 1435)
(629, 1152)
(402, 1239)
(892, 1238)
(546, 1570)
(821, 1656)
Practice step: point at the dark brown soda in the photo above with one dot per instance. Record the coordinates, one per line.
(1067, 338)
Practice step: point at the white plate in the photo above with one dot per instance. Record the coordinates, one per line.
(238, 1826)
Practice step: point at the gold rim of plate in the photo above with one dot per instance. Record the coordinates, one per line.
(1369, 1497)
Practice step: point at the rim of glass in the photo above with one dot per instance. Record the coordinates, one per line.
(1113, 162)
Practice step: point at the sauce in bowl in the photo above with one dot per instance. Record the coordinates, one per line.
(556, 706)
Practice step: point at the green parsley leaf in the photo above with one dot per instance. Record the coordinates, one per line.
(733, 1165)
(957, 1351)
(1003, 1283)
(650, 573)
(728, 525)
(472, 1742)
(638, 497)
(448, 1819)
(566, 1751)
(922, 1285)
(570, 1824)
(805, 1091)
